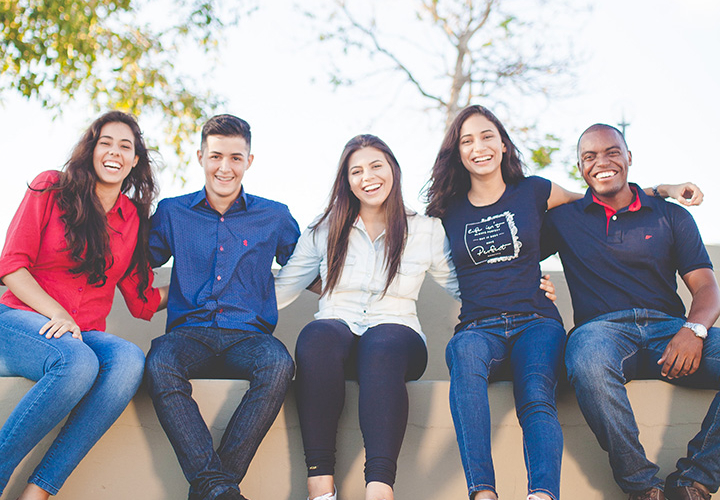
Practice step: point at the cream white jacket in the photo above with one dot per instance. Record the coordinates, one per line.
(357, 299)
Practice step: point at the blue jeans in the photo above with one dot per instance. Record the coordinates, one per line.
(604, 354)
(533, 347)
(91, 379)
(202, 352)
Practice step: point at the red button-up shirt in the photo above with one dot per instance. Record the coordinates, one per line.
(36, 241)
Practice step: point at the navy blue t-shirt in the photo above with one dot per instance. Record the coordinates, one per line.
(627, 261)
(496, 251)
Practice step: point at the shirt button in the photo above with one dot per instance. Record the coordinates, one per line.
(222, 219)
(614, 217)
(80, 289)
(74, 311)
(219, 278)
(222, 249)
(220, 310)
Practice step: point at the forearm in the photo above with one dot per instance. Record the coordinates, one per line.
(26, 288)
(705, 308)
(686, 193)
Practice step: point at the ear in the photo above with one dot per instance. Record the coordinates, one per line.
(135, 161)
(250, 161)
(199, 156)
(629, 158)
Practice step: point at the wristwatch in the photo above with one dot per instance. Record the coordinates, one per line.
(699, 330)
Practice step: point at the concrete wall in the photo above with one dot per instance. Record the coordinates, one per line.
(135, 461)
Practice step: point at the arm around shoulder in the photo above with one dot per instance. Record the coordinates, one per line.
(302, 268)
(442, 268)
(559, 196)
(687, 193)
(155, 298)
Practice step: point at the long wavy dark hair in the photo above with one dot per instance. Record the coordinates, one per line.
(86, 228)
(449, 176)
(344, 207)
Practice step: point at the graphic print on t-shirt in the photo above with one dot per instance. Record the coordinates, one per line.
(493, 239)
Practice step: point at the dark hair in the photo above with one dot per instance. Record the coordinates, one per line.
(595, 128)
(226, 125)
(344, 207)
(449, 177)
(86, 228)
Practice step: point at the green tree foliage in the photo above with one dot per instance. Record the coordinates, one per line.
(507, 53)
(59, 50)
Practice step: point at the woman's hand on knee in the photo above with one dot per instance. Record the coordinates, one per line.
(60, 324)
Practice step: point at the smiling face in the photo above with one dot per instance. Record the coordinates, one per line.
(480, 146)
(370, 177)
(114, 155)
(225, 159)
(604, 160)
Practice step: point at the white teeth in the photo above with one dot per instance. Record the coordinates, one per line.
(482, 158)
(604, 175)
(371, 187)
(111, 164)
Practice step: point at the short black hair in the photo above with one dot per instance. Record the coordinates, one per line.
(225, 125)
(595, 128)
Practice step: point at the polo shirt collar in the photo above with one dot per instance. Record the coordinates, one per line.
(641, 200)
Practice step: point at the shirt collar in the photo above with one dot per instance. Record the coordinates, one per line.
(640, 200)
(123, 207)
(359, 224)
(200, 199)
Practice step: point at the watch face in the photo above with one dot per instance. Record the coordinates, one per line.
(698, 329)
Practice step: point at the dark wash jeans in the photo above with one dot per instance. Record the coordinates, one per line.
(610, 350)
(201, 352)
(533, 347)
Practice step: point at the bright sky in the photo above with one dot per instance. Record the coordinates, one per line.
(656, 61)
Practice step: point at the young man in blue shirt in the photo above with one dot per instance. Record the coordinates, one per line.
(221, 311)
(621, 251)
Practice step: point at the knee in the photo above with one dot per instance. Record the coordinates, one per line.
(78, 365)
(275, 362)
(535, 394)
(316, 340)
(587, 367)
(127, 364)
(160, 368)
(466, 354)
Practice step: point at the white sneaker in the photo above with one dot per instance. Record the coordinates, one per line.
(327, 496)
(533, 497)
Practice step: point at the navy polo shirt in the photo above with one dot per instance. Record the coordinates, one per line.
(221, 275)
(625, 260)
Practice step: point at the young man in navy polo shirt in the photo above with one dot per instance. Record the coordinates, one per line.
(221, 311)
(620, 250)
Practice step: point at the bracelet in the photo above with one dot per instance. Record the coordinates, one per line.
(655, 191)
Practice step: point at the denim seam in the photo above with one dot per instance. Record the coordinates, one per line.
(480, 487)
(38, 481)
(542, 490)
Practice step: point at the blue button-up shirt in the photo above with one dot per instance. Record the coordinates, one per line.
(221, 274)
